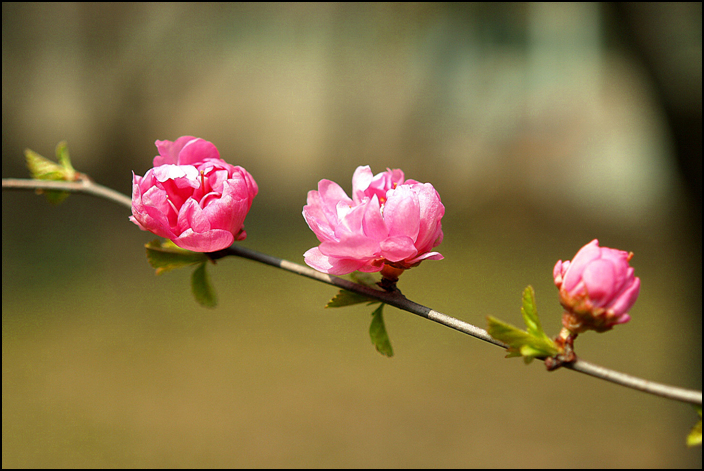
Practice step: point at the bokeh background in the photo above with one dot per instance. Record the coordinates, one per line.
(542, 126)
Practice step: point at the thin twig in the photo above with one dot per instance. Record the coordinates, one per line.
(83, 185)
(658, 389)
(395, 299)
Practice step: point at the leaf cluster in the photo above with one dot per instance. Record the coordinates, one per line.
(529, 344)
(42, 168)
(377, 329)
(166, 256)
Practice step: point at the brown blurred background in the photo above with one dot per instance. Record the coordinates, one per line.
(542, 126)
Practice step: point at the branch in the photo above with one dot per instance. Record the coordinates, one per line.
(395, 299)
(83, 185)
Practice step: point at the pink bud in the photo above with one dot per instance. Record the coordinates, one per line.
(192, 196)
(597, 288)
(388, 221)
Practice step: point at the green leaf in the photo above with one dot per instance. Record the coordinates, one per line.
(202, 288)
(509, 334)
(530, 343)
(348, 298)
(54, 196)
(63, 158)
(165, 256)
(695, 436)
(530, 312)
(377, 332)
(41, 168)
(521, 343)
(362, 278)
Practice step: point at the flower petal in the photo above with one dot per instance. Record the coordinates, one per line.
(169, 151)
(397, 248)
(209, 241)
(331, 265)
(402, 212)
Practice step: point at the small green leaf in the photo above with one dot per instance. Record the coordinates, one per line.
(530, 312)
(202, 288)
(528, 344)
(377, 332)
(695, 436)
(348, 298)
(54, 196)
(63, 158)
(508, 334)
(362, 278)
(42, 168)
(165, 256)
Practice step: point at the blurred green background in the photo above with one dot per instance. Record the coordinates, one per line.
(542, 126)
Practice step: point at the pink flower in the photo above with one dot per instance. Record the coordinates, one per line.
(388, 224)
(597, 288)
(192, 196)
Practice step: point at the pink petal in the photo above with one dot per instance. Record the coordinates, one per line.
(192, 217)
(627, 299)
(397, 248)
(350, 244)
(316, 219)
(599, 278)
(373, 225)
(360, 182)
(210, 241)
(331, 265)
(402, 212)
(168, 151)
(431, 212)
(426, 256)
(330, 194)
(559, 271)
(196, 151)
(586, 255)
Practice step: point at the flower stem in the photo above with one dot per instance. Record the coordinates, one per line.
(566, 355)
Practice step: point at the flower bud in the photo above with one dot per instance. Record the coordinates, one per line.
(388, 222)
(192, 196)
(597, 288)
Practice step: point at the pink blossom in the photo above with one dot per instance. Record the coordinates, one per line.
(597, 288)
(192, 196)
(389, 223)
